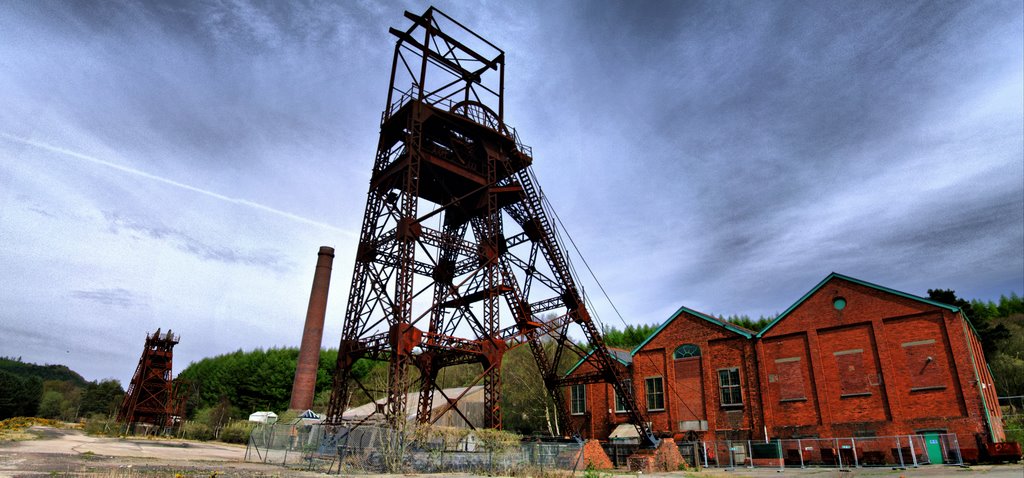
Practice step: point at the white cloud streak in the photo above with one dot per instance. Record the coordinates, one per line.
(171, 182)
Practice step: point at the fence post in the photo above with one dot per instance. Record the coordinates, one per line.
(782, 461)
(704, 447)
(839, 454)
(750, 454)
(899, 451)
(942, 448)
(853, 444)
(959, 456)
(913, 454)
(800, 452)
(285, 461)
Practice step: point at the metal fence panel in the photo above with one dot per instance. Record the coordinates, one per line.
(904, 451)
(341, 449)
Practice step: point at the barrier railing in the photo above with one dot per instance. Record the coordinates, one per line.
(371, 449)
(901, 451)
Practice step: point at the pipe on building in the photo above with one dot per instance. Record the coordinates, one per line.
(304, 386)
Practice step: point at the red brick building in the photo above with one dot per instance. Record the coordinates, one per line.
(849, 359)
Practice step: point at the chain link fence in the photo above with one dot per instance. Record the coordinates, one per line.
(339, 449)
(333, 449)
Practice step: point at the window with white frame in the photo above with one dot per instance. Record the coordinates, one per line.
(578, 399)
(655, 394)
(729, 386)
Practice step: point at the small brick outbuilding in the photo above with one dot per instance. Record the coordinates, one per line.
(849, 359)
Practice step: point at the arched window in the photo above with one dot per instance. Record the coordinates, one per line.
(686, 351)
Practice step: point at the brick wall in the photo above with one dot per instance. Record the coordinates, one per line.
(880, 364)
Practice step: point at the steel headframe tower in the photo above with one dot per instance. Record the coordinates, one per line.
(150, 397)
(457, 257)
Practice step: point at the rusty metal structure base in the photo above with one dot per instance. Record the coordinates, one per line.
(458, 260)
(152, 397)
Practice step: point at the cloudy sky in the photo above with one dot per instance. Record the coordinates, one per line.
(177, 164)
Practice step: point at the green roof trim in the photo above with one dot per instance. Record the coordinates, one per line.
(836, 275)
(585, 357)
(721, 323)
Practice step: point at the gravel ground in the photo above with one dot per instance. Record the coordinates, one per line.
(62, 452)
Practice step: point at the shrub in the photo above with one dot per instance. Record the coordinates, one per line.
(498, 441)
(196, 431)
(21, 423)
(236, 432)
(102, 426)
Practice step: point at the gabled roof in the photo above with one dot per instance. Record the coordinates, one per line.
(835, 275)
(721, 323)
(623, 356)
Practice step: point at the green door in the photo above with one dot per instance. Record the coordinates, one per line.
(931, 443)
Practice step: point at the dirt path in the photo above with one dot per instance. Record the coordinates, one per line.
(61, 452)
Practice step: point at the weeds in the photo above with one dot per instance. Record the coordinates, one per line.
(15, 429)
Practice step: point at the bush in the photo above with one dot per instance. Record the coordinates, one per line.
(197, 431)
(99, 425)
(21, 423)
(236, 432)
(498, 441)
(1014, 427)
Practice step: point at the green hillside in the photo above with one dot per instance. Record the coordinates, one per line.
(42, 372)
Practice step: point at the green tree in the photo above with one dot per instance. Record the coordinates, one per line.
(19, 396)
(747, 323)
(629, 337)
(42, 372)
(989, 333)
(256, 380)
(102, 397)
(51, 404)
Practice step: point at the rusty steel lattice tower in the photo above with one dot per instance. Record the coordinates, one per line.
(458, 258)
(151, 397)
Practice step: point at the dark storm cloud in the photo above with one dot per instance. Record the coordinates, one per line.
(218, 83)
(185, 242)
(760, 146)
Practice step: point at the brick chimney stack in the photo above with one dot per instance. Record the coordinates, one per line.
(304, 386)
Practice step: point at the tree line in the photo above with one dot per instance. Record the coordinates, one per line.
(231, 386)
(1000, 328)
(53, 391)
